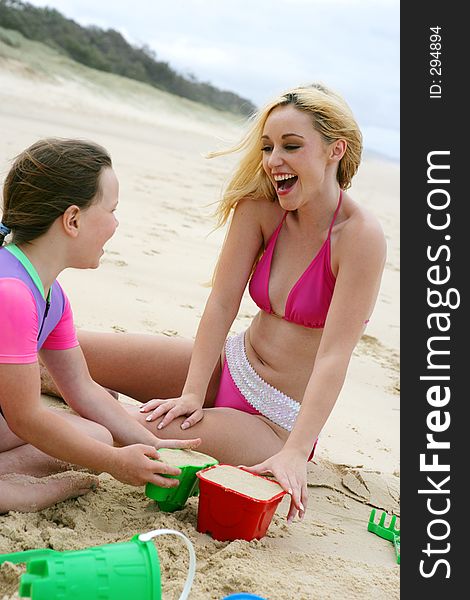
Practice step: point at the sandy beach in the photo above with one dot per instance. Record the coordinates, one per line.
(154, 278)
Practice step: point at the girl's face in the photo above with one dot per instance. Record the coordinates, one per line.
(295, 156)
(98, 222)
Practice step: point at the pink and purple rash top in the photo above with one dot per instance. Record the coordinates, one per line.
(28, 320)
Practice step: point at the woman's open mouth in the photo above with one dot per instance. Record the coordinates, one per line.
(285, 182)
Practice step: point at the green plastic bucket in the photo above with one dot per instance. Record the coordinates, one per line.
(110, 572)
(171, 499)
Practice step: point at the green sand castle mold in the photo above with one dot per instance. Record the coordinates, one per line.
(171, 499)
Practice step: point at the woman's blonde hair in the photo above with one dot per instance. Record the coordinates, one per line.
(331, 117)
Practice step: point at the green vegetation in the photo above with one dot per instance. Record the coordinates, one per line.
(109, 51)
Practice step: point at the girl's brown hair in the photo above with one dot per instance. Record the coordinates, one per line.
(47, 178)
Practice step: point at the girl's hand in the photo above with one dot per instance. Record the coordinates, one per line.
(134, 465)
(187, 404)
(290, 470)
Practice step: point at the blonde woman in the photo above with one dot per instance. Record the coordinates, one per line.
(313, 260)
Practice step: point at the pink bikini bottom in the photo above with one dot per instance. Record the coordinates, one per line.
(243, 389)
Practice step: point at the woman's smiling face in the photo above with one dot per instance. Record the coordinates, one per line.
(295, 156)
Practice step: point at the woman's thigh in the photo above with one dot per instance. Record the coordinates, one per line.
(231, 436)
(141, 366)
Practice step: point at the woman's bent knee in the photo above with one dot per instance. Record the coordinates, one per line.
(95, 430)
(101, 433)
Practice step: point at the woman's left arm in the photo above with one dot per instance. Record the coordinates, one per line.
(70, 373)
(361, 257)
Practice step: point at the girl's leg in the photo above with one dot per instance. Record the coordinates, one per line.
(21, 458)
(25, 493)
(231, 436)
(141, 366)
(26, 483)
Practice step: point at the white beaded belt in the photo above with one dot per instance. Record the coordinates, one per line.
(269, 401)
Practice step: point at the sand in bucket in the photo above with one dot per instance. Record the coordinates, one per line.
(235, 504)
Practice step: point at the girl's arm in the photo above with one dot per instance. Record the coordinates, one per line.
(70, 373)
(361, 252)
(34, 423)
(239, 251)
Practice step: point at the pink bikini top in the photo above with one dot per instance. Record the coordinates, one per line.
(309, 300)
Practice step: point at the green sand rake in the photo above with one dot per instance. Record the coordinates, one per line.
(386, 532)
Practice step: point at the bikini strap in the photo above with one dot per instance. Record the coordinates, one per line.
(336, 213)
(274, 236)
(275, 233)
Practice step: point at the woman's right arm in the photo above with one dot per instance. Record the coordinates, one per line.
(241, 246)
(34, 423)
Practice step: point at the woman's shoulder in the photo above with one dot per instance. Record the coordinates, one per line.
(260, 205)
(360, 228)
(266, 213)
(357, 217)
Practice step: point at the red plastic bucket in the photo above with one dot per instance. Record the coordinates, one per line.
(227, 514)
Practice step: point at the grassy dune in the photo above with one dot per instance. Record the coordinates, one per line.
(24, 62)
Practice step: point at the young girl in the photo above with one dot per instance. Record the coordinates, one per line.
(313, 258)
(59, 200)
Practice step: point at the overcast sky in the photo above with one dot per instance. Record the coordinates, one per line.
(258, 48)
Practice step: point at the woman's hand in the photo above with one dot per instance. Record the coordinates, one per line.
(139, 464)
(289, 467)
(187, 404)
